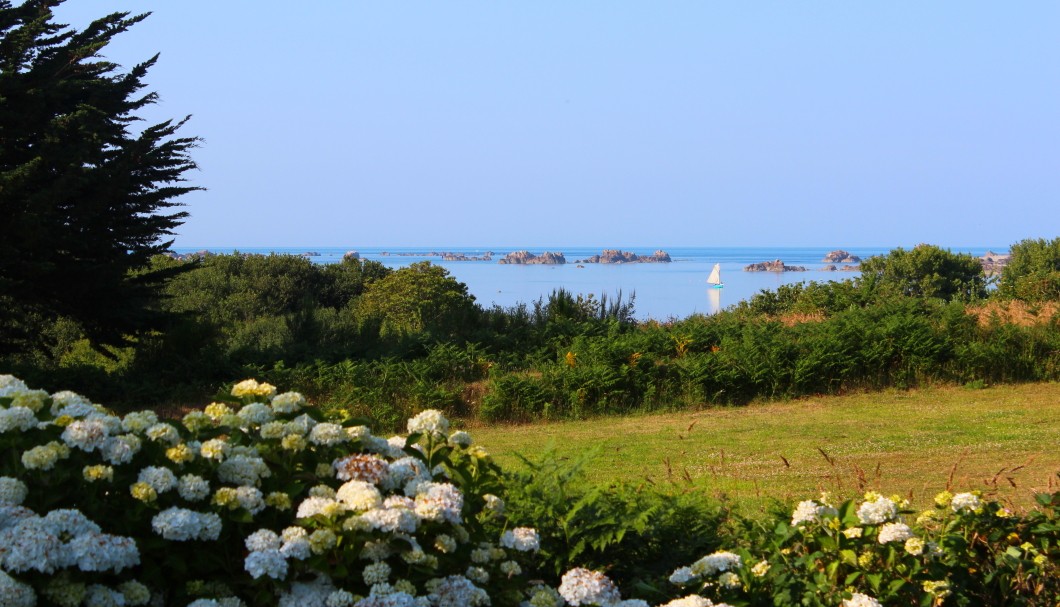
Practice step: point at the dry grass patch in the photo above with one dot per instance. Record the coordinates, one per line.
(1015, 312)
(1004, 441)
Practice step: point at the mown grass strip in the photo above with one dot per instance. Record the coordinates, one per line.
(1002, 440)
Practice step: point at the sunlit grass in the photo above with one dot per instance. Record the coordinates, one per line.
(1003, 440)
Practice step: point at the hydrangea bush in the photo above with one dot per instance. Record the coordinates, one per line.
(257, 499)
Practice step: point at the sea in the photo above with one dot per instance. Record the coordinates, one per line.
(661, 291)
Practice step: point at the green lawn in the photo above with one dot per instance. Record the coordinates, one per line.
(1002, 440)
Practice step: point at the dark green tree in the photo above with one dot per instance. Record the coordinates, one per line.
(87, 192)
(1033, 271)
(419, 299)
(926, 271)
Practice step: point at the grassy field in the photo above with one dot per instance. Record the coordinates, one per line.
(1002, 440)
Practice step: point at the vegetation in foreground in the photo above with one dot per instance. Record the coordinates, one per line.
(260, 499)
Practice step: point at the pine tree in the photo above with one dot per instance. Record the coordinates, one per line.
(87, 192)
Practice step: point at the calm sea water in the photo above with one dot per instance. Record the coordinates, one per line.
(662, 290)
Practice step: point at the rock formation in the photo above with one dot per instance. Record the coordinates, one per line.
(528, 258)
(993, 262)
(351, 255)
(830, 268)
(840, 256)
(850, 268)
(617, 256)
(773, 266)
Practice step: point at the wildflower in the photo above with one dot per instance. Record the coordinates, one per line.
(876, 509)
(943, 499)
(852, 532)
(939, 589)
(894, 532)
(429, 422)
(523, 539)
(12, 491)
(760, 569)
(581, 586)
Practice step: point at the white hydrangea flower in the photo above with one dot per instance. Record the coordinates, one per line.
(240, 469)
(694, 600)
(295, 543)
(312, 506)
(717, 562)
(431, 421)
(359, 495)
(327, 434)
(255, 413)
(876, 510)
(30, 544)
(17, 418)
(288, 402)
(311, 594)
(460, 439)
(581, 586)
(193, 488)
(98, 595)
(102, 552)
(339, 598)
(376, 573)
(965, 502)
(861, 600)
(44, 457)
(135, 593)
(118, 450)
(439, 502)
(894, 532)
(86, 434)
(181, 525)
(160, 479)
(11, 386)
(30, 399)
(250, 498)
(12, 491)
(810, 511)
(72, 404)
(215, 448)
(362, 467)
(682, 576)
(523, 539)
(269, 562)
(391, 520)
(139, 421)
(163, 433)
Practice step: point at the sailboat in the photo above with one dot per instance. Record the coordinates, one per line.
(715, 277)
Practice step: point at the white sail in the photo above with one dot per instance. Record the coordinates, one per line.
(715, 275)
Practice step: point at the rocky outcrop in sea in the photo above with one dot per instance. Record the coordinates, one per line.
(840, 256)
(773, 266)
(351, 255)
(993, 262)
(528, 258)
(618, 256)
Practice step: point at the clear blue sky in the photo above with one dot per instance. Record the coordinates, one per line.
(461, 123)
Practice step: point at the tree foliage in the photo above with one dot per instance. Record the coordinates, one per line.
(926, 271)
(421, 298)
(86, 192)
(1033, 271)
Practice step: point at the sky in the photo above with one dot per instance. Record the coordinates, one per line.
(591, 123)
